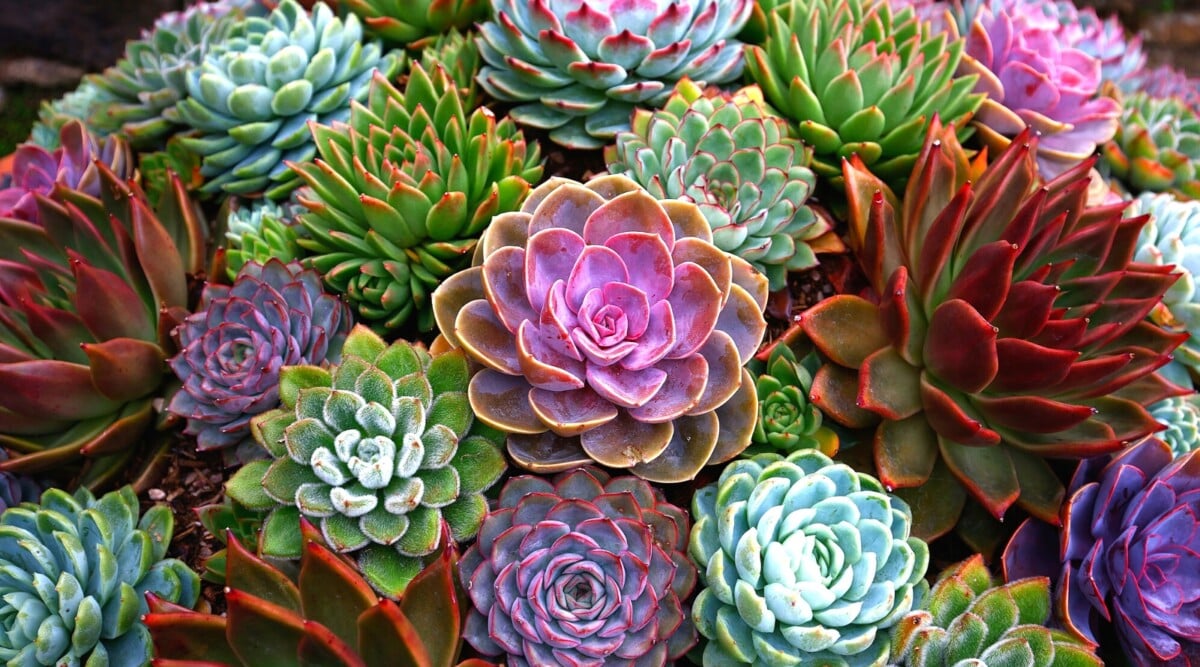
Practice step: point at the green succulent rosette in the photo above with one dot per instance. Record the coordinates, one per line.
(459, 54)
(1156, 147)
(787, 420)
(402, 192)
(252, 98)
(377, 452)
(732, 156)
(1180, 415)
(262, 231)
(1172, 237)
(79, 104)
(805, 562)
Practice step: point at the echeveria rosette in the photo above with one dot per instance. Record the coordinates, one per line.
(1122, 60)
(787, 419)
(1126, 556)
(1006, 325)
(1166, 81)
(581, 66)
(260, 231)
(37, 171)
(414, 23)
(378, 452)
(76, 105)
(733, 157)
(1156, 147)
(968, 620)
(403, 190)
(233, 347)
(458, 53)
(805, 561)
(1172, 238)
(586, 569)
(611, 330)
(75, 571)
(857, 78)
(251, 99)
(1180, 415)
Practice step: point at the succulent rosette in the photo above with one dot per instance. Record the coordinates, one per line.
(73, 165)
(805, 561)
(967, 620)
(787, 420)
(1006, 325)
(1156, 147)
(233, 347)
(586, 569)
(1126, 556)
(857, 78)
(1180, 415)
(415, 22)
(733, 157)
(76, 105)
(402, 192)
(1165, 81)
(458, 53)
(75, 572)
(378, 452)
(581, 66)
(251, 99)
(611, 329)
(261, 231)
(1172, 238)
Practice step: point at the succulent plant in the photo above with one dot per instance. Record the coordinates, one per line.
(967, 619)
(402, 192)
(77, 105)
(73, 165)
(1166, 81)
(1035, 78)
(261, 231)
(586, 569)
(1121, 57)
(1126, 555)
(581, 67)
(75, 572)
(611, 330)
(414, 23)
(378, 451)
(1156, 147)
(1008, 326)
(805, 561)
(233, 347)
(859, 79)
(16, 489)
(228, 521)
(252, 97)
(787, 420)
(1181, 417)
(326, 615)
(144, 86)
(459, 55)
(733, 157)
(87, 303)
(1172, 238)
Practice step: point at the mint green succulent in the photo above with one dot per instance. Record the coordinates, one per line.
(377, 452)
(79, 104)
(254, 95)
(805, 562)
(1173, 237)
(261, 231)
(787, 420)
(1181, 417)
(74, 573)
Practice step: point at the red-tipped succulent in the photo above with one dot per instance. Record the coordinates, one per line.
(1005, 324)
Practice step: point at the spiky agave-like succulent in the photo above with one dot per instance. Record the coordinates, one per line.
(379, 452)
(967, 620)
(402, 192)
(252, 97)
(805, 561)
(1172, 238)
(580, 67)
(858, 78)
(1008, 326)
(787, 419)
(326, 614)
(88, 300)
(260, 231)
(75, 571)
(1156, 147)
(611, 330)
(733, 157)
(414, 23)
(1181, 417)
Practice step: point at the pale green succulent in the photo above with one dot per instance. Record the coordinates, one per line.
(1172, 237)
(805, 562)
(262, 231)
(79, 104)
(1181, 417)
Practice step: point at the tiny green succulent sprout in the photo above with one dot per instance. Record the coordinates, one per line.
(787, 420)
(262, 231)
(377, 452)
(969, 621)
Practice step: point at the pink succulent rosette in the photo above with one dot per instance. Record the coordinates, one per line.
(611, 330)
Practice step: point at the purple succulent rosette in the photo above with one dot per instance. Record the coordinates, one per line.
(587, 570)
(233, 347)
(37, 170)
(1128, 553)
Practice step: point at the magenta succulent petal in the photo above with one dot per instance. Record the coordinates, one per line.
(545, 367)
(695, 301)
(624, 387)
(648, 260)
(503, 282)
(656, 339)
(596, 267)
(551, 255)
(685, 382)
(570, 413)
(633, 211)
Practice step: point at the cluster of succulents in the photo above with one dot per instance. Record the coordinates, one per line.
(1156, 147)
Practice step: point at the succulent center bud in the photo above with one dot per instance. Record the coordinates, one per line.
(578, 593)
(372, 461)
(232, 354)
(780, 410)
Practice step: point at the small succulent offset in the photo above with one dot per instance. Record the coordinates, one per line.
(402, 192)
(733, 157)
(261, 231)
(581, 67)
(858, 78)
(1156, 147)
(414, 23)
(75, 572)
(967, 620)
(1008, 325)
(1180, 415)
(255, 93)
(378, 451)
(611, 330)
(805, 561)
(233, 347)
(787, 420)
(1172, 238)
(1126, 555)
(585, 570)
(327, 615)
